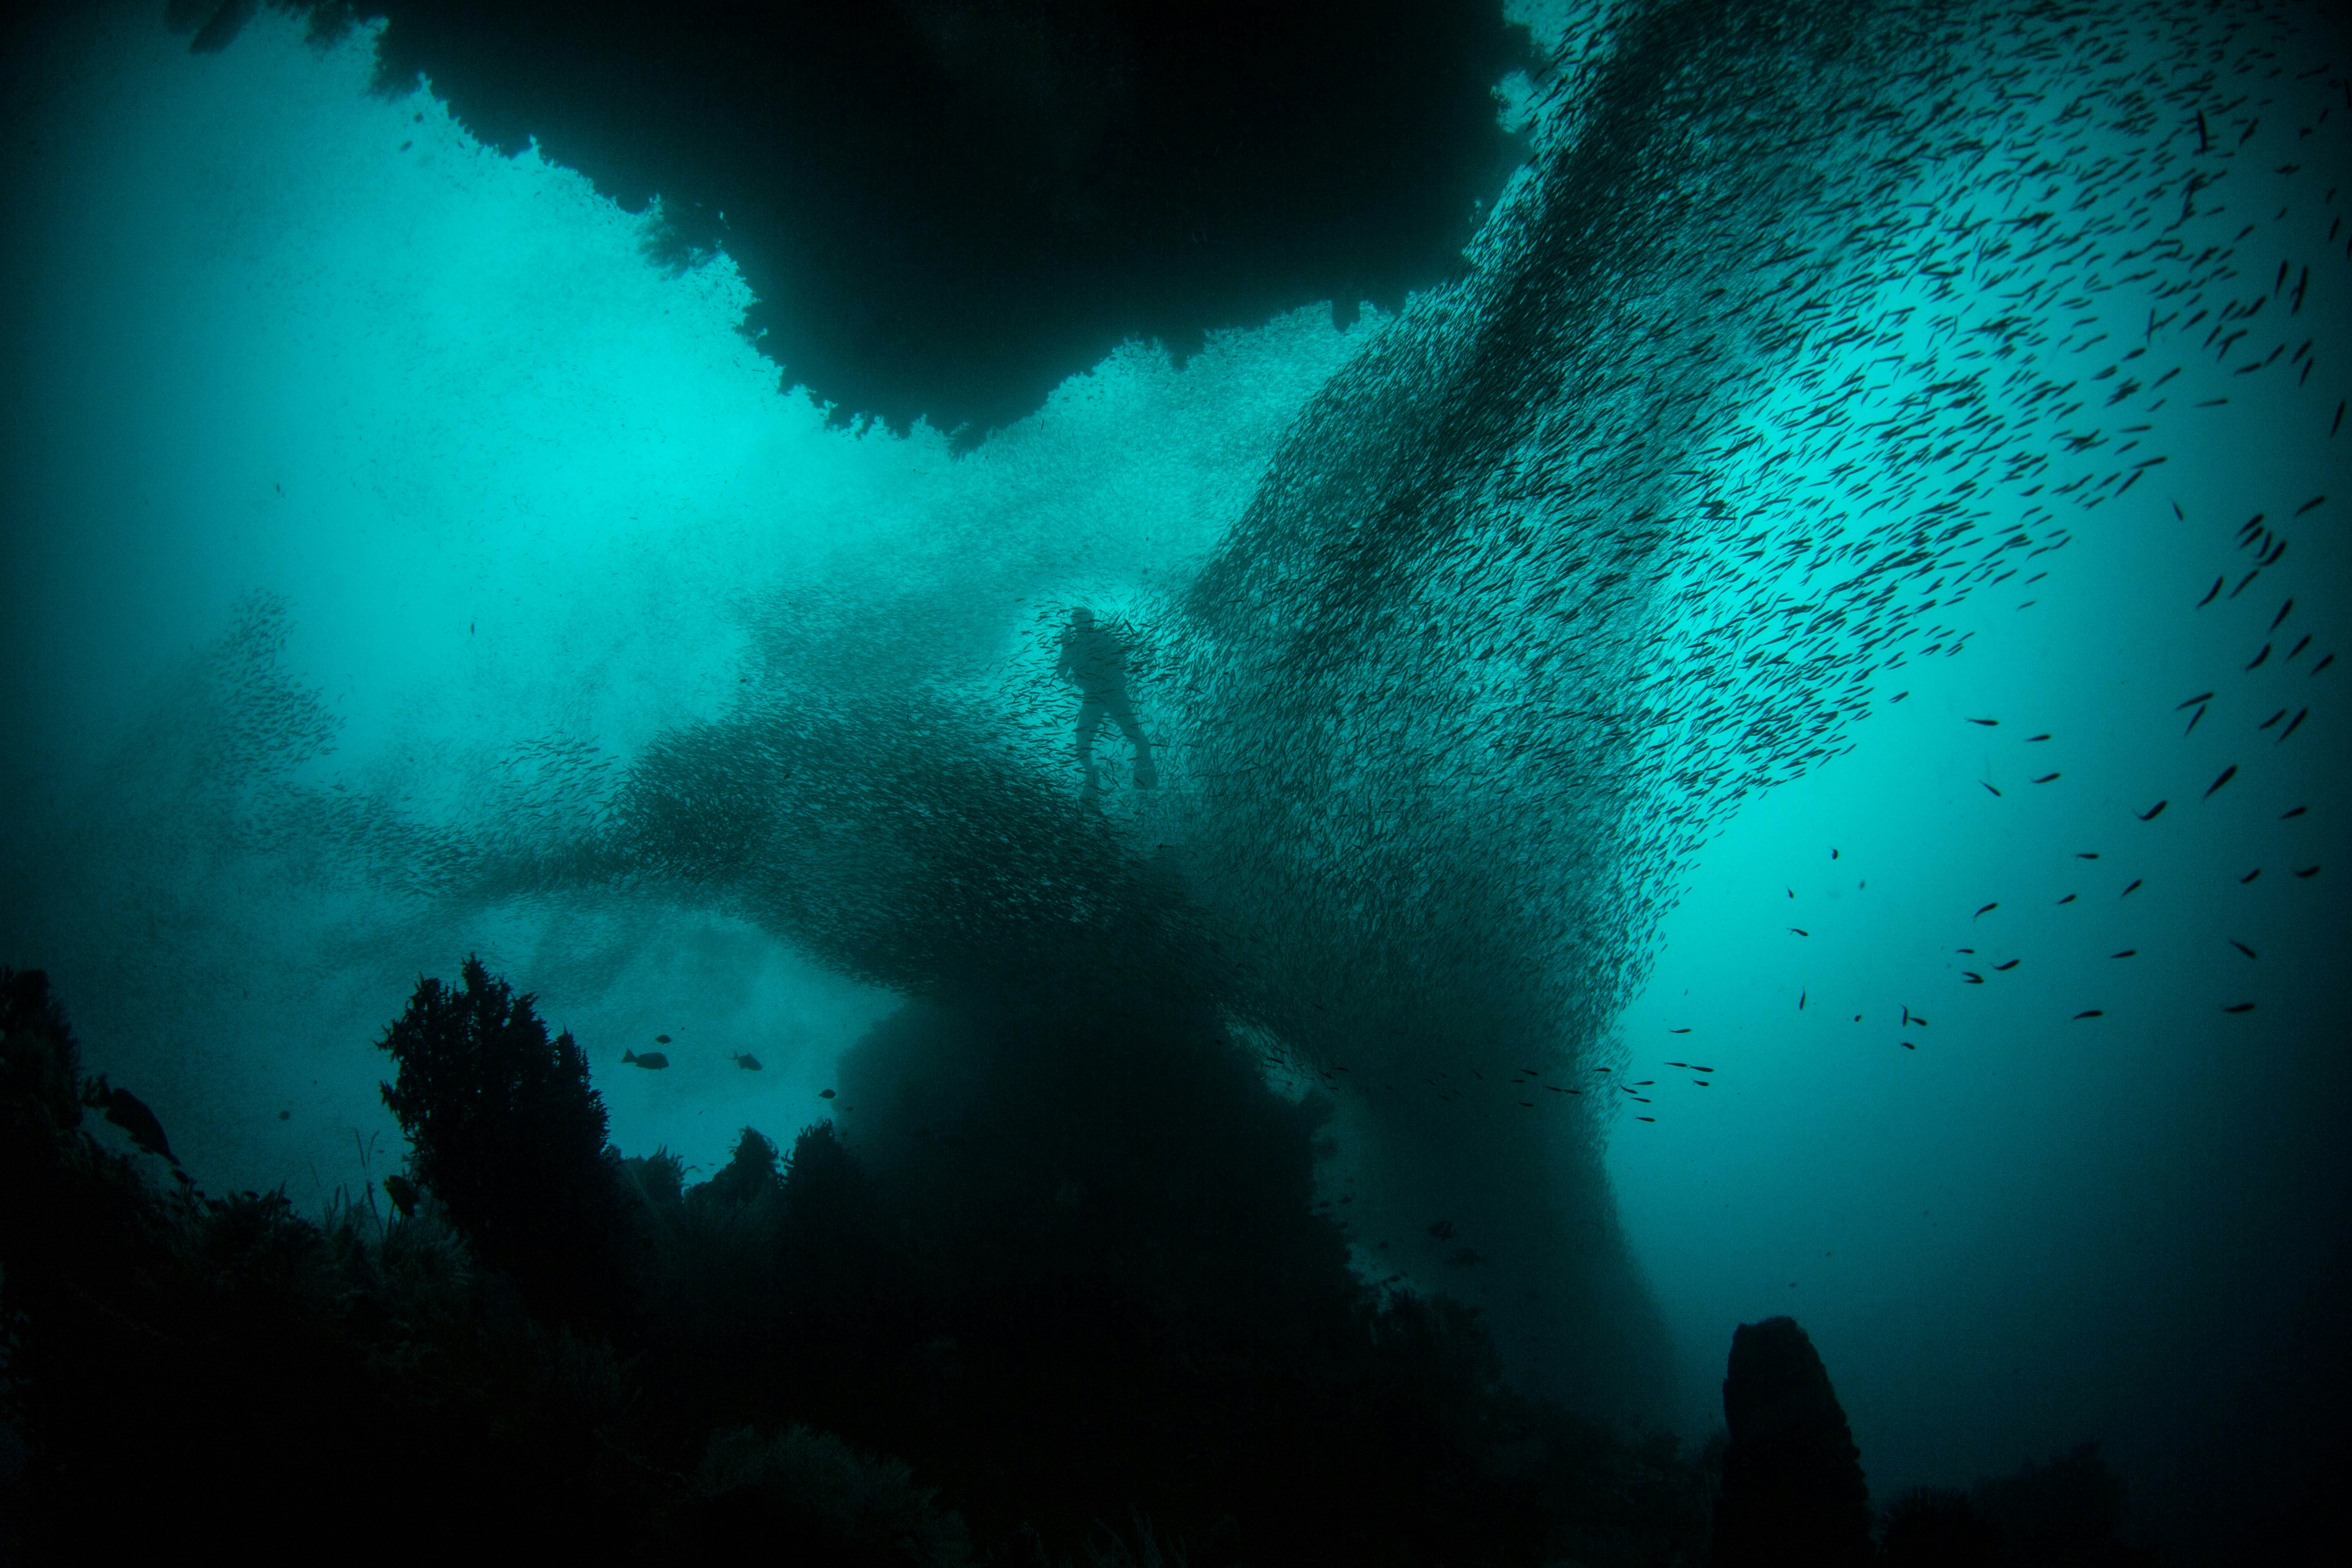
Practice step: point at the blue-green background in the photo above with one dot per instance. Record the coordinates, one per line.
(515, 483)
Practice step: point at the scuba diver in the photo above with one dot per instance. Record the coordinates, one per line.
(1095, 657)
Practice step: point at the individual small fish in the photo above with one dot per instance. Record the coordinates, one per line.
(2092, 1013)
(2086, 854)
(1801, 1001)
(1832, 852)
(1907, 1014)
(661, 1039)
(1971, 976)
(1678, 1031)
(2272, 720)
(2322, 664)
(2291, 726)
(1989, 786)
(2030, 739)
(130, 1113)
(2127, 952)
(2046, 778)
(745, 1060)
(2250, 875)
(2200, 697)
(2308, 871)
(2241, 947)
(2211, 592)
(1988, 723)
(2192, 722)
(2293, 811)
(2005, 968)
(1898, 697)
(1909, 1047)
(2135, 883)
(1646, 1119)
(652, 1060)
(2227, 774)
(2151, 813)
(2302, 643)
(2284, 611)
(1696, 1068)
(2241, 1007)
(1683, 1065)
(824, 1094)
(1986, 911)
(2259, 657)
(1801, 931)
(2067, 900)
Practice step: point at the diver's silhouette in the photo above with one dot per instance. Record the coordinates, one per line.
(1095, 657)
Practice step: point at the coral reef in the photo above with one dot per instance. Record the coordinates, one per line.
(1066, 1273)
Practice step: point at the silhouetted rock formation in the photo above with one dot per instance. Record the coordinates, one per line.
(947, 208)
(1793, 1496)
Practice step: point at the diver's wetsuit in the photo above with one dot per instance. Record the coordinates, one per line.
(1094, 657)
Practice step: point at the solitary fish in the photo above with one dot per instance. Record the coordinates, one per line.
(1988, 723)
(2241, 947)
(2284, 611)
(2092, 1013)
(1801, 931)
(1909, 1047)
(2250, 875)
(2227, 774)
(2292, 725)
(653, 1060)
(2293, 811)
(1678, 1031)
(2127, 952)
(130, 1113)
(1987, 909)
(2241, 1007)
(2152, 813)
(2046, 778)
(2030, 739)
(2200, 697)
(1971, 976)
(2005, 968)
(1989, 786)
(2135, 883)
(2308, 871)
(745, 1060)
(824, 1094)
(1801, 1001)
(2086, 854)
(2067, 900)
(2258, 659)
(2211, 592)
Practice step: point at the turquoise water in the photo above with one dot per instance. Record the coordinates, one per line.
(1588, 653)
